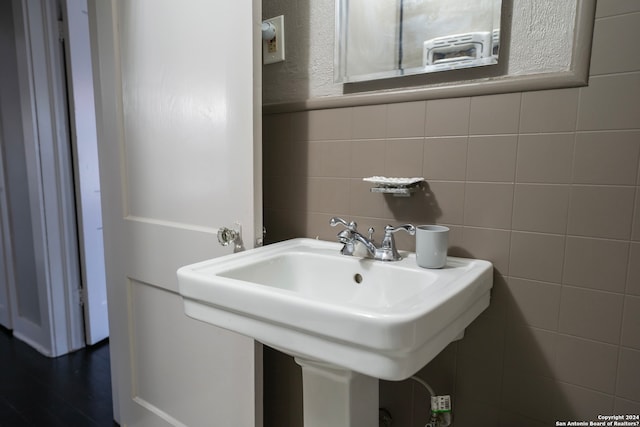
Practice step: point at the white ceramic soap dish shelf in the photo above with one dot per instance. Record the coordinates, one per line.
(399, 187)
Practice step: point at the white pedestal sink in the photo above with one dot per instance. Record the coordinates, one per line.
(348, 321)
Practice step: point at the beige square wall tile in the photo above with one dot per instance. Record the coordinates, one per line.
(403, 157)
(316, 226)
(534, 303)
(510, 419)
(490, 245)
(448, 200)
(272, 197)
(492, 158)
(313, 159)
(591, 314)
(530, 350)
(601, 211)
(362, 202)
(499, 301)
(294, 161)
(495, 114)
(484, 340)
(536, 256)
(541, 207)
(367, 157)
(619, 31)
(406, 119)
(286, 193)
(549, 111)
(616, 7)
(269, 194)
(397, 396)
(369, 122)
(628, 374)
(624, 406)
(587, 363)
(636, 218)
(327, 195)
(631, 322)
(607, 157)
(488, 205)
(299, 126)
(579, 403)
(404, 241)
(448, 117)
(479, 381)
(445, 158)
(525, 394)
(378, 224)
(545, 158)
(285, 158)
(284, 381)
(596, 263)
(336, 159)
(281, 225)
(330, 159)
(610, 102)
(455, 236)
(324, 124)
(472, 413)
(440, 372)
(268, 159)
(276, 127)
(633, 273)
(421, 208)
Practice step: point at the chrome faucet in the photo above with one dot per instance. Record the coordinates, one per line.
(350, 236)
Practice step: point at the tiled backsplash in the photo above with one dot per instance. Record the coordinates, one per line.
(546, 185)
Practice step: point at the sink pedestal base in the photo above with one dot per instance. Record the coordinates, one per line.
(337, 397)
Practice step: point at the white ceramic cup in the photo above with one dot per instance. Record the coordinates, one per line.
(432, 242)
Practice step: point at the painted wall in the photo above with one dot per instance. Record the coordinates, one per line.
(546, 185)
(541, 36)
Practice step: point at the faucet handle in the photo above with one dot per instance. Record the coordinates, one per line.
(388, 244)
(409, 228)
(351, 226)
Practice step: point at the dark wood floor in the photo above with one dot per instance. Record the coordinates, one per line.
(72, 390)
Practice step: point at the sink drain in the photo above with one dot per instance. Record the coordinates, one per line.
(357, 278)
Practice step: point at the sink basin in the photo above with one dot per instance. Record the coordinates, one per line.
(381, 319)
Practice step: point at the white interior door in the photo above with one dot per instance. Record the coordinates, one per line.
(178, 107)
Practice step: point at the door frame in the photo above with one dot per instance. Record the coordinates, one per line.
(86, 168)
(6, 259)
(50, 180)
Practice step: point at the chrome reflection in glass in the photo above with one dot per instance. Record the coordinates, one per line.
(378, 39)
